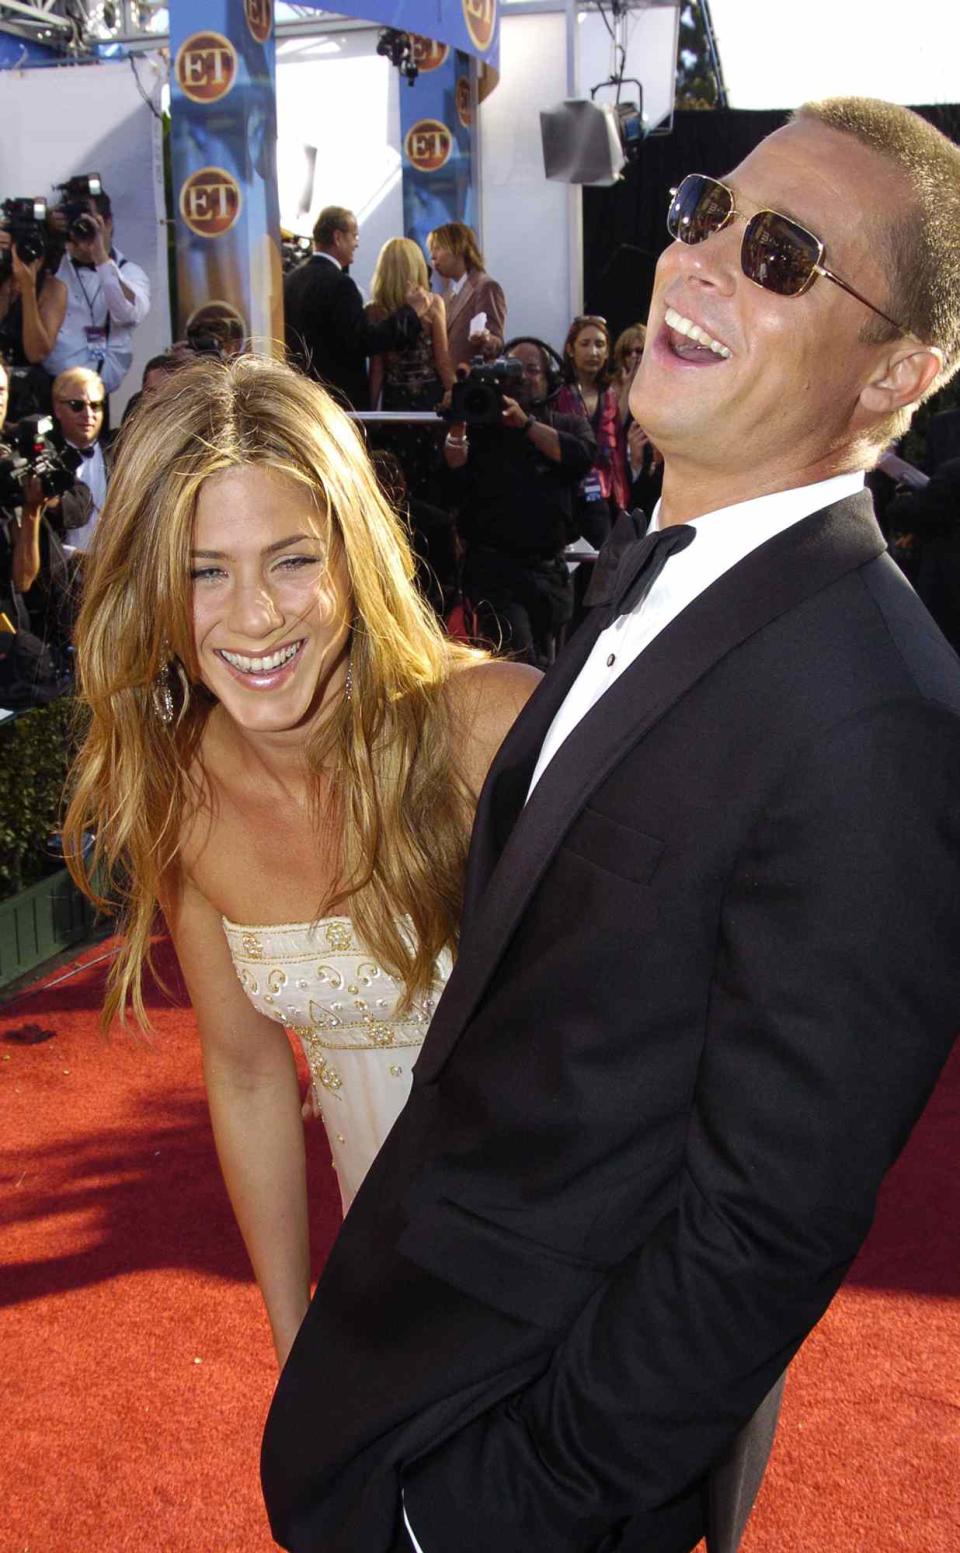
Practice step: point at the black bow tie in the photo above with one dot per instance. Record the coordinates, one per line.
(626, 585)
(83, 264)
(87, 452)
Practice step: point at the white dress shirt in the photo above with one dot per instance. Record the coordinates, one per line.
(724, 537)
(96, 301)
(93, 473)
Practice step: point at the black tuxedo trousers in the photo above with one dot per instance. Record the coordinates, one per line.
(707, 979)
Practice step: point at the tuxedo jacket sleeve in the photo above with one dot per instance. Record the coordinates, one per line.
(811, 1074)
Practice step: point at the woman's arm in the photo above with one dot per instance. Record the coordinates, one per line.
(376, 315)
(437, 315)
(43, 315)
(254, 1099)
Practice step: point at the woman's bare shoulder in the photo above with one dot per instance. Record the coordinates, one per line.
(486, 699)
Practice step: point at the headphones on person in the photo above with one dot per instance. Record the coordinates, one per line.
(551, 360)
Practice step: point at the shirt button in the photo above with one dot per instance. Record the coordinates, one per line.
(611, 660)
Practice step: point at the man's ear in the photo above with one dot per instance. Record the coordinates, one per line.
(902, 379)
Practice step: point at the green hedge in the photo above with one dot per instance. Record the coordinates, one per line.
(34, 757)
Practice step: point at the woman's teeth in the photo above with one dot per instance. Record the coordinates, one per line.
(266, 665)
(694, 332)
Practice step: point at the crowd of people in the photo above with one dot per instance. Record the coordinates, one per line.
(538, 451)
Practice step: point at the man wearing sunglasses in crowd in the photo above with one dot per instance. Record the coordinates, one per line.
(708, 972)
(79, 398)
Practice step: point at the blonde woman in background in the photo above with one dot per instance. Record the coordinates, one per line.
(627, 353)
(644, 461)
(417, 377)
(283, 752)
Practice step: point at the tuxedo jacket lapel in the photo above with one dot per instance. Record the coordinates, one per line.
(458, 304)
(506, 869)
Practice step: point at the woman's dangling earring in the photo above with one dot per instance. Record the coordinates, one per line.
(348, 682)
(163, 696)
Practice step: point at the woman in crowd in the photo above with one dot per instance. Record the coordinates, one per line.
(627, 353)
(416, 378)
(588, 392)
(284, 752)
(33, 304)
(470, 293)
(644, 463)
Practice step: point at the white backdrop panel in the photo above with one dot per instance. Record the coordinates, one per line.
(337, 94)
(58, 122)
(525, 217)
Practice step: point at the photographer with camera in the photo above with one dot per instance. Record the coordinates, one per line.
(513, 464)
(33, 303)
(34, 572)
(107, 294)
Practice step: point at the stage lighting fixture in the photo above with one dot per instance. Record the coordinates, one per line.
(590, 142)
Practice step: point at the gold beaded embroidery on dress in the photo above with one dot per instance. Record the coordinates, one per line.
(322, 983)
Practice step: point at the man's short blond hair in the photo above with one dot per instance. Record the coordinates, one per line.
(83, 377)
(922, 239)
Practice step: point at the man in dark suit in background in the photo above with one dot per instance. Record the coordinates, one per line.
(328, 334)
(676, 1054)
(943, 439)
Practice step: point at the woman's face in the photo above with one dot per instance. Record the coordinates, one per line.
(631, 357)
(589, 351)
(271, 607)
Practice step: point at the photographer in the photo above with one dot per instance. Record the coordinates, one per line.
(33, 304)
(34, 599)
(107, 294)
(513, 464)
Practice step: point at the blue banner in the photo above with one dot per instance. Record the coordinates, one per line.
(435, 133)
(223, 151)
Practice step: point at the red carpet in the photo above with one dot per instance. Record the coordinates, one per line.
(135, 1362)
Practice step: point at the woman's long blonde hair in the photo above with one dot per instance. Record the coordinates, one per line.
(400, 265)
(404, 807)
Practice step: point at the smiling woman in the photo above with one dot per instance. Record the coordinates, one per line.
(284, 752)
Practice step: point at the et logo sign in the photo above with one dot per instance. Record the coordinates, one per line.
(481, 19)
(427, 54)
(206, 66)
(259, 18)
(428, 145)
(461, 97)
(210, 201)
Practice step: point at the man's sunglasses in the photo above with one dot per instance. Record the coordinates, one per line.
(76, 405)
(776, 252)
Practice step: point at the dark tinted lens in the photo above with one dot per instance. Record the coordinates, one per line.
(700, 207)
(779, 255)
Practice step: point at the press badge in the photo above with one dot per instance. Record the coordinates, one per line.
(591, 489)
(96, 339)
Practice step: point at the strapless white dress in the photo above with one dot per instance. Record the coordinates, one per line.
(321, 982)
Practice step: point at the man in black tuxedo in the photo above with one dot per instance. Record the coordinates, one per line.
(328, 334)
(678, 1050)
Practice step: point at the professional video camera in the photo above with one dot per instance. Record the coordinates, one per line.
(25, 220)
(477, 397)
(74, 208)
(31, 451)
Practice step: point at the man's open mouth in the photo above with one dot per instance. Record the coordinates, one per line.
(690, 342)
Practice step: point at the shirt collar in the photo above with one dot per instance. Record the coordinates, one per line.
(456, 286)
(746, 524)
(329, 257)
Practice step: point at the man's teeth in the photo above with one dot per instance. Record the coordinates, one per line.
(274, 660)
(694, 332)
